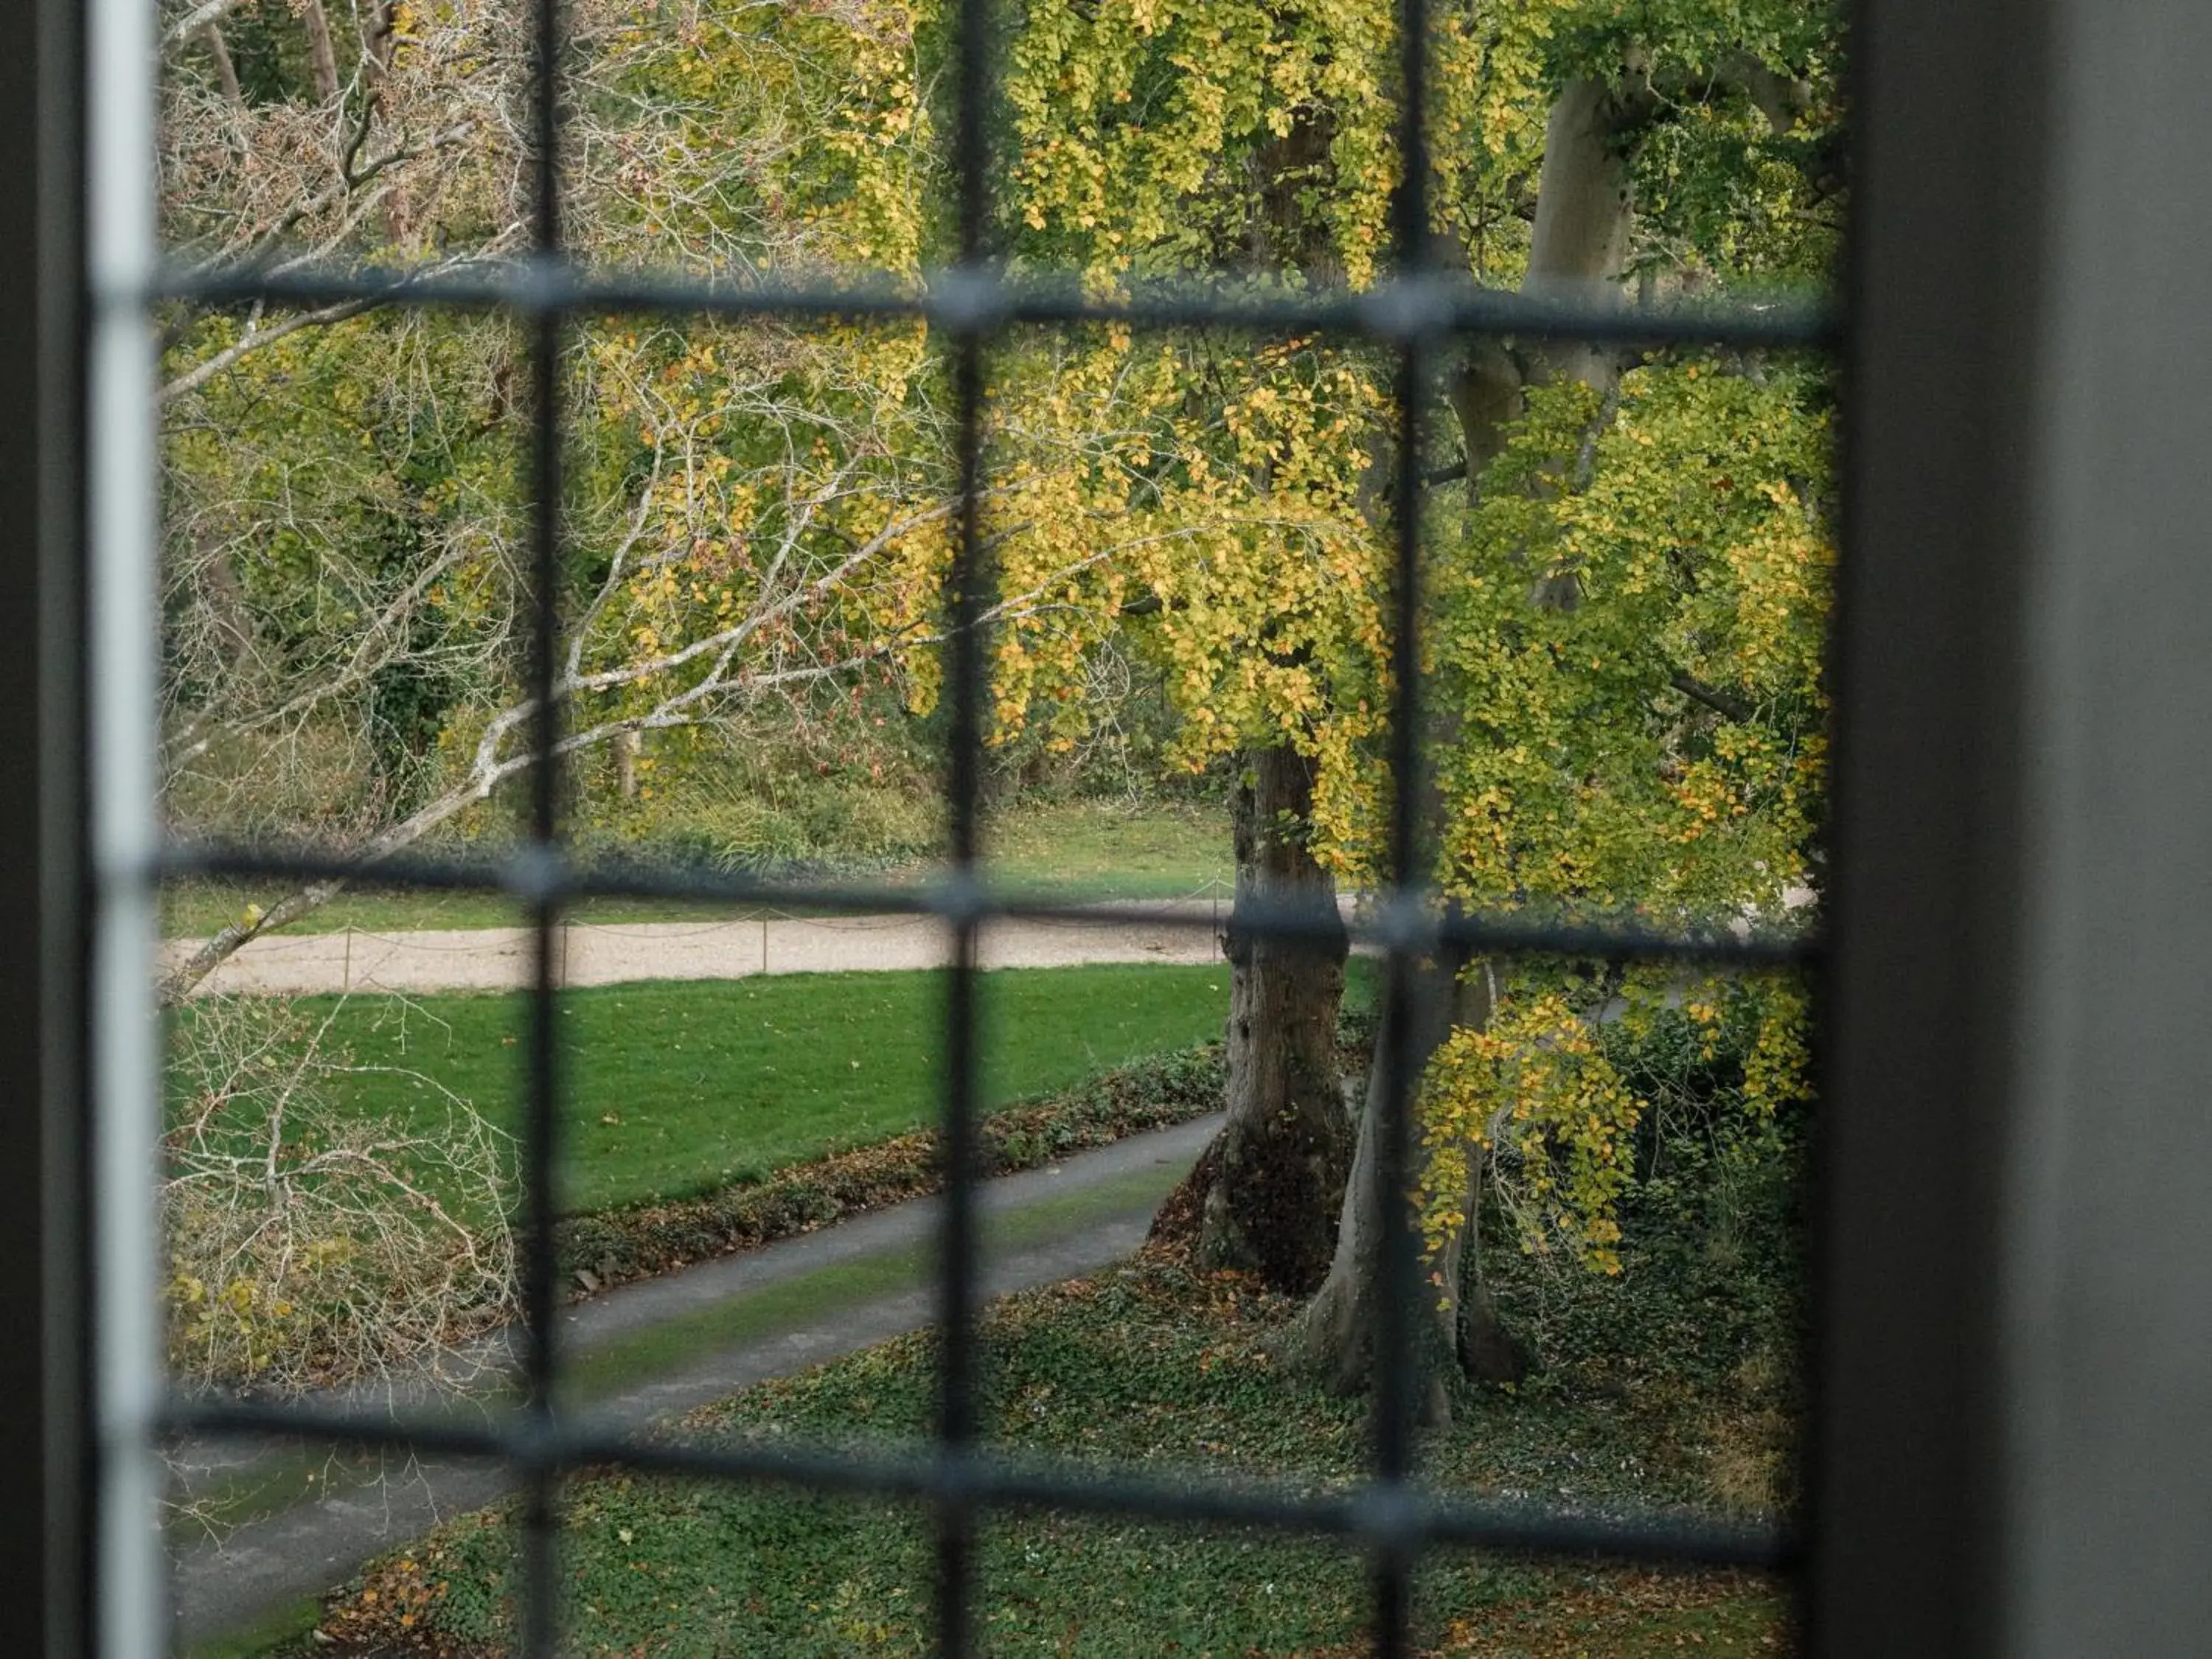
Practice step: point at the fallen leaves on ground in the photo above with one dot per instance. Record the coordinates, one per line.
(1619, 1614)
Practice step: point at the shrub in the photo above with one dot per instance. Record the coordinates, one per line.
(303, 1245)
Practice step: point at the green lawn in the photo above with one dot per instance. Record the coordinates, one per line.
(678, 1088)
(1089, 850)
(1083, 849)
(1660, 1385)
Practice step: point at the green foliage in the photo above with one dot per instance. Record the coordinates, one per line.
(839, 796)
(1655, 747)
(269, 51)
(1697, 1342)
(1227, 485)
(763, 135)
(1584, 1083)
(1141, 126)
(351, 467)
(1699, 547)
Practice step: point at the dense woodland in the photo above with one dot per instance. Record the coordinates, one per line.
(1189, 533)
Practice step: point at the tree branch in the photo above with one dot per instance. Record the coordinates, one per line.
(257, 337)
(225, 72)
(253, 339)
(1721, 702)
(203, 16)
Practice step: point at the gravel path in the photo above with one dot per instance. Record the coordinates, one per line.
(498, 959)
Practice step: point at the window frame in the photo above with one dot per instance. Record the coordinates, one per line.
(1904, 1544)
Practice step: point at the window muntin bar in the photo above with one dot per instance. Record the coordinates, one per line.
(984, 297)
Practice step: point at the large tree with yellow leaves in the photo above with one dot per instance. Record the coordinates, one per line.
(1628, 576)
(1627, 581)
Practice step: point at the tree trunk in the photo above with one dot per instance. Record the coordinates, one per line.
(1579, 245)
(1335, 1337)
(377, 43)
(1487, 1349)
(1578, 250)
(1265, 1193)
(321, 59)
(225, 72)
(626, 748)
(1275, 1176)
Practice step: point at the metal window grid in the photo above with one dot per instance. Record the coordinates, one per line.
(1416, 312)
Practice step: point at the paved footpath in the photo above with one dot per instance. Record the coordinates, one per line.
(656, 1349)
(498, 959)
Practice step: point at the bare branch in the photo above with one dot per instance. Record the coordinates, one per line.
(256, 337)
(203, 16)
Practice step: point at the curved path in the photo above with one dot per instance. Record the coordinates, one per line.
(645, 1353)
(595, 953)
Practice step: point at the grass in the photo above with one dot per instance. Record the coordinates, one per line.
(1661, 1388)
(282, 1630)
(1095, 850)
(677, 1089)
(1151, 1093)
(1087, 849)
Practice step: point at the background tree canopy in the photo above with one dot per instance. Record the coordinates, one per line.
(1628, 554)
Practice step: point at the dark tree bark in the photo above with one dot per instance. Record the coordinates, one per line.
(1484, 1344)
(1334, 1336)
(1275, 1176)
(1267, 1191)
(225, 72)
(322, 58)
